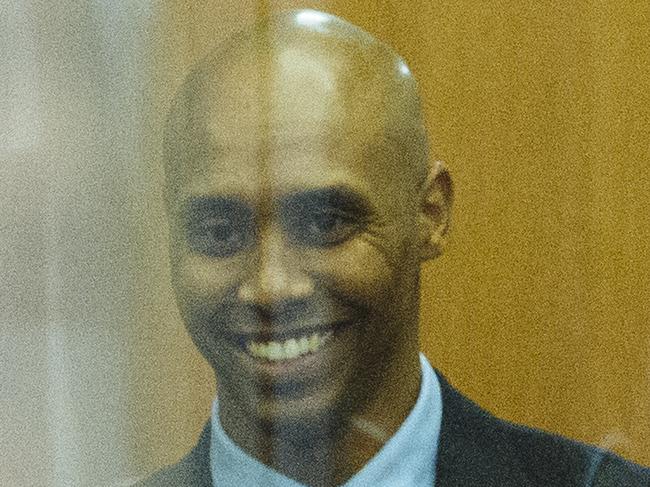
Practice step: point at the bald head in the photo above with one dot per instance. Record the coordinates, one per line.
(302, 79)
(301, 203)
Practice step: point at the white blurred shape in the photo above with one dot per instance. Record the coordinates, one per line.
(312, 19)
(403, 68)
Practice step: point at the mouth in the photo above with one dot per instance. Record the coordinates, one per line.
(302, 363)
(289, 346)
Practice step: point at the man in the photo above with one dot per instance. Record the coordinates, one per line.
(302, 202)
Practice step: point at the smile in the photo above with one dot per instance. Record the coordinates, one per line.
(292, 348)
(279, 348)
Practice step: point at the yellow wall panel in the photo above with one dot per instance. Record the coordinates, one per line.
(539, 309)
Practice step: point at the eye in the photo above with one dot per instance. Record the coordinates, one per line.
(325, 217)
(218, 228)
(322, 227)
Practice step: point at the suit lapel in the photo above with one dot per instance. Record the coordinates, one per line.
(453, 467)
(196, 465)
(470, 454)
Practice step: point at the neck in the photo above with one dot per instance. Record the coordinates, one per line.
(338, 448)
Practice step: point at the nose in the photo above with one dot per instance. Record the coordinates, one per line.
(275, 275)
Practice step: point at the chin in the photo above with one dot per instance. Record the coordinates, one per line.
(322, 413)
(324, 424)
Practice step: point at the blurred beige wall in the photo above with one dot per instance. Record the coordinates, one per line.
(71, 123)
(539, 309)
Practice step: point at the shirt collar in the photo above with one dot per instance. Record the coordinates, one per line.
(408, 458)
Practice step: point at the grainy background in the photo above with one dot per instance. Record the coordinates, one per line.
(539, 309)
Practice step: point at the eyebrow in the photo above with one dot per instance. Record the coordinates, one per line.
(342, 197)
(205, 205)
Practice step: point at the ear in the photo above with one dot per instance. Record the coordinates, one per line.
(435, 211)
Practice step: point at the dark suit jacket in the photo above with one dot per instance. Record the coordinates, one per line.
(476, 449)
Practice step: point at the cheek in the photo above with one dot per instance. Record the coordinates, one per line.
(200, 281)
(202, 285)
(358, 270)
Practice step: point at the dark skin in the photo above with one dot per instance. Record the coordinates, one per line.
(302, 201)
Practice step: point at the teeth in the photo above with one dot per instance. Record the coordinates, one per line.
(274, 350)
(314, 343)
(289, 349)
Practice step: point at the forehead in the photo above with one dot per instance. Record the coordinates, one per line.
(282, 168)
(300, 115)
(294, 94)
(295, 122)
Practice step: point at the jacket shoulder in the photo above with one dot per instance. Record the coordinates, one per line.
(550, 459)
(479, 449)
(614, 471)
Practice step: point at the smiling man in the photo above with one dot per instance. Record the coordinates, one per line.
(302, 202)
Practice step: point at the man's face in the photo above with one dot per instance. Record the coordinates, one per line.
(294, 255)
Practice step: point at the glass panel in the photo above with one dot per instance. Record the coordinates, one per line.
(251, 188)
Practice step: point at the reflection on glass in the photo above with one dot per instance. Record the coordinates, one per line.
(312, 19)
(307, 214)
(297, 240)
